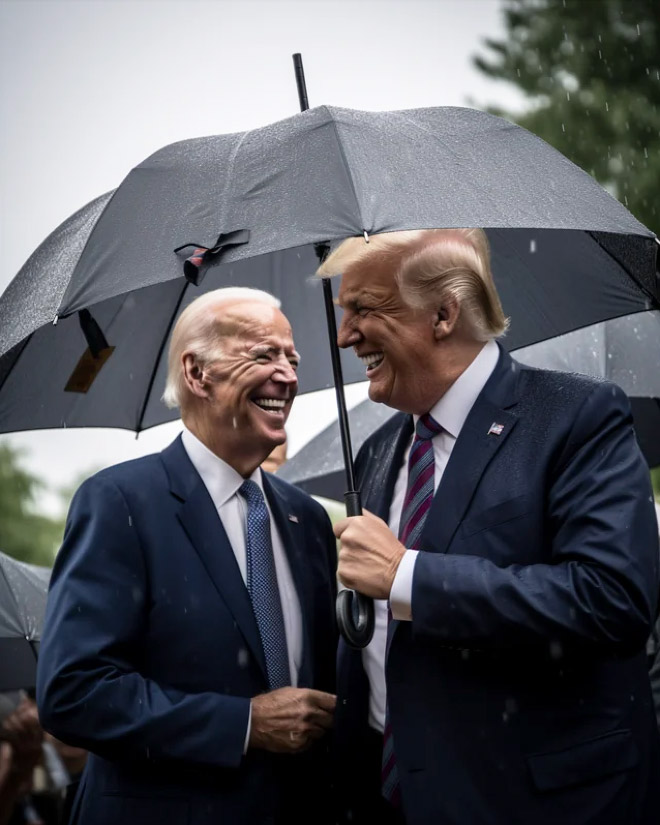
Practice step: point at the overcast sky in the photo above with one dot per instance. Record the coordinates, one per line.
(89, 88)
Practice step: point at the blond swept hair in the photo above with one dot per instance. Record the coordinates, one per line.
(199, 329)
(429, 267)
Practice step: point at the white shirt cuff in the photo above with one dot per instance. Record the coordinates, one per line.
(249, 727)
(401, 592)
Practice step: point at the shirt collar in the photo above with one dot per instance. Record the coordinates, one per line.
(221, 480)
(454, 406)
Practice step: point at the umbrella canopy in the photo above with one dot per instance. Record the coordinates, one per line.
(624, 350)
(23, 592)
(565, 253)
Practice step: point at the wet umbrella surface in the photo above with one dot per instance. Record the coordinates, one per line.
(84, 326)
(23, 592)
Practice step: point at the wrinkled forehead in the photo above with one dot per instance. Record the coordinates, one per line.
(371, 277)
(254, 322)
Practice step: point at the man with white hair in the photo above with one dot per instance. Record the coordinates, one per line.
(512, 549)
(189, 638)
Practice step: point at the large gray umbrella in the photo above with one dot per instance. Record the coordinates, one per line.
(23, 592)
(624, 350)
(565, 253)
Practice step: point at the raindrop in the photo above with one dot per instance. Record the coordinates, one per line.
(638, 32)
(607, 106)
(563, 128)
(130, 521)
(600, 54)
(243, 657)
(532, 243)
(234, 424)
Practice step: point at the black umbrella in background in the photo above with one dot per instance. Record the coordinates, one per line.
(624, 350)
(23, 593)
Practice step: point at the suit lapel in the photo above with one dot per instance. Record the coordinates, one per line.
(486, 429)
(200, 520)
(382, 469)
(290, 533)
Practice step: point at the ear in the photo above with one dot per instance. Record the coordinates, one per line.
(446, 318)
(194, 375)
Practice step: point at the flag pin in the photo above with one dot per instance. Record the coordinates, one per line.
(495, 429)
(293, 518)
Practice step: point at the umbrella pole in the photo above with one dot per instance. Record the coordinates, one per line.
(354, 611)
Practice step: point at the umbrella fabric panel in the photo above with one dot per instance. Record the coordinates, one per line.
(329, 173)
(23, 589)
(624, 350)
(18, 664)
(552, 281)
(506, 176)
(34, 296)
(33, 395)
(286, 183)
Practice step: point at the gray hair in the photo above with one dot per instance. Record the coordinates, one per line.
(197, 330)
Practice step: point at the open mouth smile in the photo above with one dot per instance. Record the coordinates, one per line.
(372, 360)
(274, 406)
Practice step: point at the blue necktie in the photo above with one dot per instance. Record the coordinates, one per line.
(262, 586)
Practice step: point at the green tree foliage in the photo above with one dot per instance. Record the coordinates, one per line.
(591, 71)
(655, 478)
(24, 534)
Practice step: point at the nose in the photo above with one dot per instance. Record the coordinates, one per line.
(285, 373)
(347, 334)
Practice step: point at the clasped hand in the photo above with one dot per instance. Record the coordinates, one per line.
(289, 719)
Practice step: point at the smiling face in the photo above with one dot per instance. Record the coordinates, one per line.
(395, 342)
(243, 398)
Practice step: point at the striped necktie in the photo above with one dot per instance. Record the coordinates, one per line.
(416, 504)
(262, 586)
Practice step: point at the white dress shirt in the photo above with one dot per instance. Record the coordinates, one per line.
(223, 483)
(450, 412)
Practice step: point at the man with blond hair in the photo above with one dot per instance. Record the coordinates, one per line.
(509, 541)
(189, 638)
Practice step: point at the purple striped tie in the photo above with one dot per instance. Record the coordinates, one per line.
(417, 503)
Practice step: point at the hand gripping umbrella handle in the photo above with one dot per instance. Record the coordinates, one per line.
(355, 612)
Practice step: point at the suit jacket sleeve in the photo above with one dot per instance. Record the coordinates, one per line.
(600, 584)
(89, 690)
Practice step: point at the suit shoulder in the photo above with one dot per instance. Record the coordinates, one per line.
(542, 387)
(134, 473)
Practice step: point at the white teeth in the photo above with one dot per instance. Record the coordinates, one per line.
(270, 403)
(372, 359)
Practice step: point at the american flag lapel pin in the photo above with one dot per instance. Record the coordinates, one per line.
(293, 518)
(495, 429)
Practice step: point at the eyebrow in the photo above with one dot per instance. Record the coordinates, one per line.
(266, 349)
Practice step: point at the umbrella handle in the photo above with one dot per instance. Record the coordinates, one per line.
(357, 630)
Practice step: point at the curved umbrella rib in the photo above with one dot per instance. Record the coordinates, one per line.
(161, 348)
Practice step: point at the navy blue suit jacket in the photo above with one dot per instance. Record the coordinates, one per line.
(519, 693)
(151, 651)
